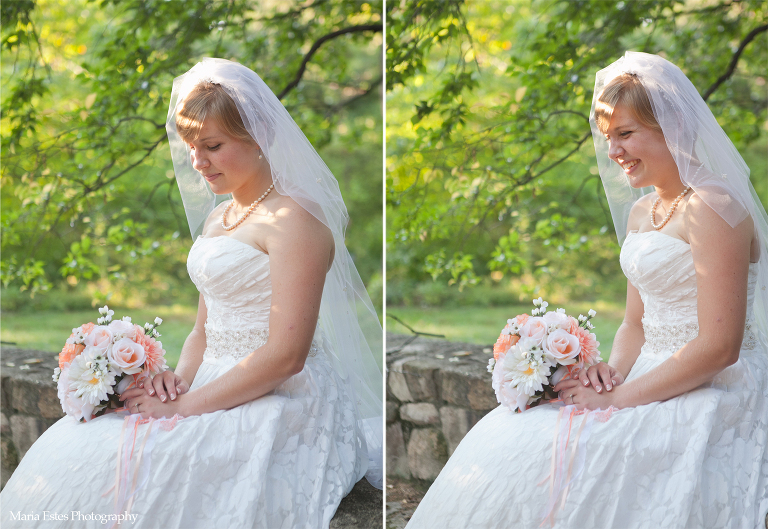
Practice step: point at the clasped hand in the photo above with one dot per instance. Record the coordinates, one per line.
(595, 387)
(156, 396)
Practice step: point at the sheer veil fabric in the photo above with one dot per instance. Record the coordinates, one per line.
(706, 159)
(347, 316)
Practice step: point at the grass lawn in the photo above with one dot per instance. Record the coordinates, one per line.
(47, 331)
(482, 325)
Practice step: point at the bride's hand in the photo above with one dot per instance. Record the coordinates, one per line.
(137, 401)
(599, 375)
(164, 385)
(575, 393)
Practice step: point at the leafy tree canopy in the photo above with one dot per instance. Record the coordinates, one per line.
(89, 193)
(491, 172)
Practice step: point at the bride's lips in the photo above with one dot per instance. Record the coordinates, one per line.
(211, 177)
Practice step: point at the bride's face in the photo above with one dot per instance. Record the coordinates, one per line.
(640, 150)
(228, 164)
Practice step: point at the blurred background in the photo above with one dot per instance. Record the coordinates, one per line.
(493, 193)
(91, 213)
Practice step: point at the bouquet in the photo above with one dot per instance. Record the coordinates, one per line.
(100, 361)
(534, 353)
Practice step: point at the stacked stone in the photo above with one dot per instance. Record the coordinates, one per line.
(436, 391)
(29, 403)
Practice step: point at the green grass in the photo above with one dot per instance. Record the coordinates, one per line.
(48, 330)
(482, 325)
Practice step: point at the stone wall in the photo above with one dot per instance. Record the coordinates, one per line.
(436, 391)
(29, 405)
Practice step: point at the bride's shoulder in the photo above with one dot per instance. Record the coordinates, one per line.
(700, 215)
(290, 216)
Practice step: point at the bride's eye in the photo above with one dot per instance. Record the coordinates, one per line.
(215, 147)
(625, 134)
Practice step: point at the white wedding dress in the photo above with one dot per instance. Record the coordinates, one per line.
(284, 460)
(699, 460)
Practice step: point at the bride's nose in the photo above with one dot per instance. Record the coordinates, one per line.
(614, 150)
(199, 162)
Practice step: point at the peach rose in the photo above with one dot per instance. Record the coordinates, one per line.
(127, 355)
(70, 351)
(563, 346)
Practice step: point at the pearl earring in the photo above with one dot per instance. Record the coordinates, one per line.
(260, 153)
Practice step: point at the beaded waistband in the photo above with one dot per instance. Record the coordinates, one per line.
(239, 344)
(673, 337)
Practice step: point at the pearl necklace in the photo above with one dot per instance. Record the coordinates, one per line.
(670, 212)
(248, 211)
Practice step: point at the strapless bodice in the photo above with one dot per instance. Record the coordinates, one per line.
(234, 280)
(662, 269)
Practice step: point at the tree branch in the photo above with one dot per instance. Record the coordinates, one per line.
(316, 46)
(376, 83)
(732, 67)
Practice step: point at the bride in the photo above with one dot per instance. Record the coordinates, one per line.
(276, 402)
(682, 438)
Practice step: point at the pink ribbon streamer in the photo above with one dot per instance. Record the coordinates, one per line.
(131, 478)
(566, 468)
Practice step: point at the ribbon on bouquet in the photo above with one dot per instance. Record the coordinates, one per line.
(133, 462)
(568, 464)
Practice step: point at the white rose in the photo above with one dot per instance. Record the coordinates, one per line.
(100, 338)
(563, 347)
(122, 329)
(557, 320)
(535, 328)
(127, 356)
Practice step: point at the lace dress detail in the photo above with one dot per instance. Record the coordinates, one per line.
(284, 460)
(695, 461)
(239, 344)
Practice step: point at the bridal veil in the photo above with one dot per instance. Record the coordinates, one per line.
(347, 316)
(706, 159)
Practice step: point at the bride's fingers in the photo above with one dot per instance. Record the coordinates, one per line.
(584, 377)
(605, 375)
(566, 384)
(594, 379)
(160, 383)
(131, 393)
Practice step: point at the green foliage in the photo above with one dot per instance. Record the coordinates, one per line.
(491, 173)
(88, 192)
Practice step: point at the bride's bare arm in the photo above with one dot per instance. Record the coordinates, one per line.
(194, 346)
(630, 337)
(300, 250)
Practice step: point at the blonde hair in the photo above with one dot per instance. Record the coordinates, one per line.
(628, 90)
(209, 100)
